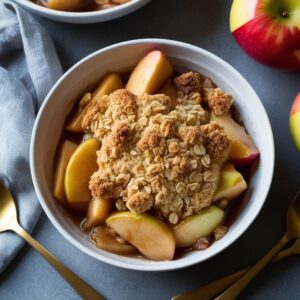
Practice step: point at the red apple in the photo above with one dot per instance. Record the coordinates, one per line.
(295, 122)
(268, 30)
(243, 149)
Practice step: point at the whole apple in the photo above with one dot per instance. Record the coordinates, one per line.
(295, 122)
(268, 30)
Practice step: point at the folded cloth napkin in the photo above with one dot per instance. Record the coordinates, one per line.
(28, 69)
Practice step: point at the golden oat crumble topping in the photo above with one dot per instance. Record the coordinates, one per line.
(188, 83)
(215, 141)
(153, 157)
(217, 100)
(189, 86)
(219, 232)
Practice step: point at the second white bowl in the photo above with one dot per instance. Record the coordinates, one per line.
(83, 17)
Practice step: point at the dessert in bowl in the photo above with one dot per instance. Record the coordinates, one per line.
(156, 156)
(82, 11)
(80, 5)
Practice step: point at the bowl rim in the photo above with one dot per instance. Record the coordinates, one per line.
(69, 14)
(177, 264)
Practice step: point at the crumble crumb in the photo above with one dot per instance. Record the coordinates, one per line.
(218, 101)
(202, 244)
(215, 141)
(90, 115)
(140, 202)
(150, 140)
(123, 102)
(190, 134)
(173, 148)
(220, 231)
(120, 135)
(101, 187)
(188, 83)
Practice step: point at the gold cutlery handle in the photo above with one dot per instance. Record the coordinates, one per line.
(216, 287)
(211, 289)
(233, 291)
(82, 288)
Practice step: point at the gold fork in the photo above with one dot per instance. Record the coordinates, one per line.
(9, 221)
(216, 287)
(292, 233)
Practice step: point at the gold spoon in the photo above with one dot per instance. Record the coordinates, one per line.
(293, 232)
(216, 287)
(9, 221)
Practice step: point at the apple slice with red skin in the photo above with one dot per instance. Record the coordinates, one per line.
(231, 183)
(243, 149)
(295, 122)
(268, 30)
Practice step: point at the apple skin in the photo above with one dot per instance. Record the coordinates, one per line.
(245, 161)
(243, 149)
(263, 33)
(295, 122)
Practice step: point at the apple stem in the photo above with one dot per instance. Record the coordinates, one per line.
(285, 13)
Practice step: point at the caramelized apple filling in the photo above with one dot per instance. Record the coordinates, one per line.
(153, 166)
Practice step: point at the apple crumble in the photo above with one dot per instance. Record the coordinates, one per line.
(156, 158)
(154, 161)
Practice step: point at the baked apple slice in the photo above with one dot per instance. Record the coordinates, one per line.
(81, 166)
(150, 74)
(150, 236)
(231, 184)
(66, 152)
(197, 225)
(98, 210)
(65, 5)
(107, 242)
(243, 149)
(110, 83)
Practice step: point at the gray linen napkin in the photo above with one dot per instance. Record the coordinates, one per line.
(28, 68)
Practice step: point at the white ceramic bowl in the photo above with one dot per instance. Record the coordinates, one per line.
(65, 93)
(83, 17)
